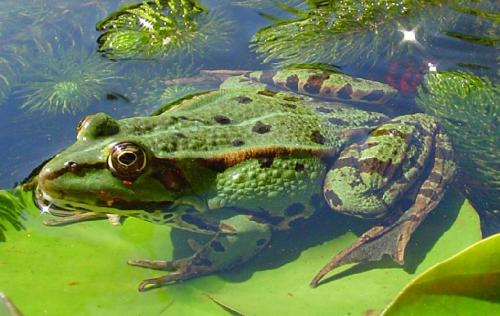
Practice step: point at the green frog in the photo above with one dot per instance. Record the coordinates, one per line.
(265, 149)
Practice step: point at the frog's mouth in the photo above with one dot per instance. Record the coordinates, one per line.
(61, 207)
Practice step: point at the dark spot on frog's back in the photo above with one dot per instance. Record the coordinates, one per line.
(292, 83)
(375, 95)
(317, 137)
(314, 83)
(345, 92)
(299, 167)
(221, 119)
(243, 99)
(294, 209)
(266, 162)
(238, 143)
(261, 128)
(267, 93)
(292, 98)
(289, 105)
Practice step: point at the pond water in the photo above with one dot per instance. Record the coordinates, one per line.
(56, 67)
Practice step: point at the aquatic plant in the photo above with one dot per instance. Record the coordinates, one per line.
(468, 107)
(11, 206)
(360, 31)
(11, 62)
(6, 77)
(162, 28)
(65, 80)
(266, 4)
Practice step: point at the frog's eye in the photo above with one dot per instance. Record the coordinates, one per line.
(127, 160)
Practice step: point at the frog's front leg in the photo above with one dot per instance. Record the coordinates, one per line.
(410, 157)
(239, 239)
(72, 217)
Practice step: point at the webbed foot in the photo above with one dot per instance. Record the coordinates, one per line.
(372, 245)
(224, 251)
(183, 269)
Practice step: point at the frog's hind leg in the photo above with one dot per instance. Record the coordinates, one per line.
(393, 237)
(327, 84)
(239, 239)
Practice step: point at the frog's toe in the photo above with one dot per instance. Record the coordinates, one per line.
(156, 264)
(154, 283)
(67, 218)
(183, 269)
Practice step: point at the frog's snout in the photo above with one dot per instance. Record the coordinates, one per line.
(45, 181)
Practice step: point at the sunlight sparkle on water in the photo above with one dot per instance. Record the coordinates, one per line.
(432, 67)
(409, 36)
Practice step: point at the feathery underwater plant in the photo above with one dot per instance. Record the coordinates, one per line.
(11, 62)
(363, 32)
(66, 80)
(163, 28)
(467, 106)
(6, 77)
(266, 4)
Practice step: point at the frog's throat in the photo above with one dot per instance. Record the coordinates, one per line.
(48, 204)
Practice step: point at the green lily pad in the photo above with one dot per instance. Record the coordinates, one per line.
(465, 284)
(279, 288)
(80, 269)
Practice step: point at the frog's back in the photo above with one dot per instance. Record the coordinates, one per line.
(253, 121)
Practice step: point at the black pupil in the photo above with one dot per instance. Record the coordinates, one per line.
(127, 158)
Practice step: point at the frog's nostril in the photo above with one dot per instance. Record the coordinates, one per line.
(71, 165)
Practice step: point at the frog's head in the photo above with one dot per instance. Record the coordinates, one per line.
(107, 171)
